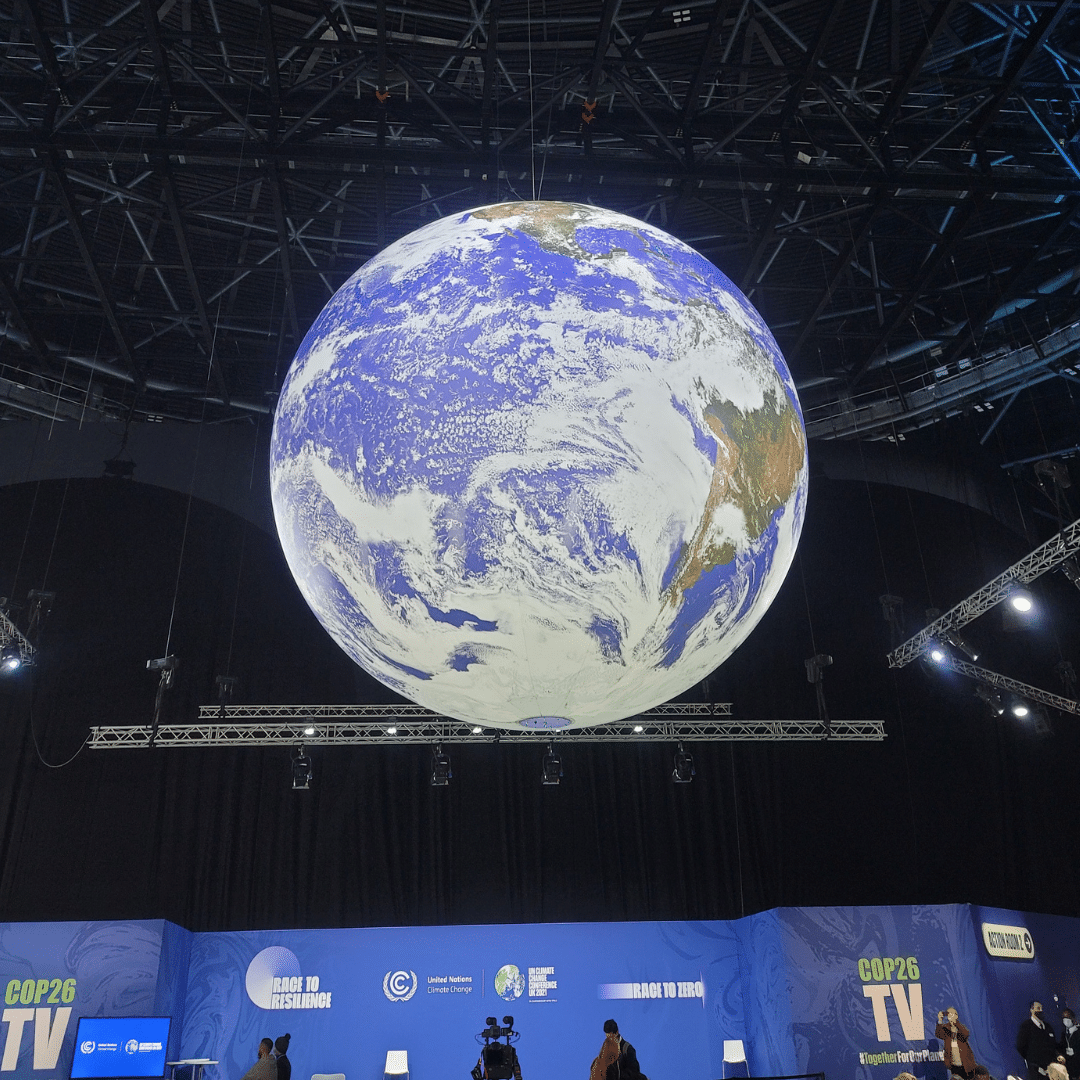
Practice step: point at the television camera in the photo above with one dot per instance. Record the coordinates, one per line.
(498, 1060)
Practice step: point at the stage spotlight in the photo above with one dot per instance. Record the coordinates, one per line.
(1021, 600)
(391, 731)
(551, 769)
(684, 770)
(991, 699)
(10, 659)
(440, 767)
(638, 729)
(938, 653)
(309, 730)
(962, 644)
(478, 730)
(301, 770)
(1020, 709)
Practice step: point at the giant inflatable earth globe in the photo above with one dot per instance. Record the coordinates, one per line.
(539, 464)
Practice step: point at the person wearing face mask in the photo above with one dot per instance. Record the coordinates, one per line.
(1069, 1047)
(1035, 1042)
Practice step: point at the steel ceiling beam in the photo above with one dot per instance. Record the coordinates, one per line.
(913, 69)
(941, 250)
(43, 45)
(9, 294)
(491, 55)
(1034, 41)
(172, 200)
(712, 42)
(67, 200)
(1006, 287)
(849, 252)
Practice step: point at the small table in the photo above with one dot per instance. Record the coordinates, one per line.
(197, 1066)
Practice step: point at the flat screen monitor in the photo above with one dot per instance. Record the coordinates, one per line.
(120, 1046)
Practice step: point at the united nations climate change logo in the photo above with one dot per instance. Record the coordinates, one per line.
(132, 1046)
(88, 1046)
(399, 985)
(509, 982)
(273, 963)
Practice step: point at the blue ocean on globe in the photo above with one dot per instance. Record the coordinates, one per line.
(539, 463)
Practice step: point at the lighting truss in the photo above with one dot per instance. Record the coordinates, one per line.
(1003, 682)
(1045, 557)
(393, 713)
(358, 725)
(11, 635)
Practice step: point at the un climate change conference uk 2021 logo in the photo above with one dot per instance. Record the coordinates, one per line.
(274, 981)
(399, 985)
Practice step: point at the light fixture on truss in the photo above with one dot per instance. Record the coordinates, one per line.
(16, 652)
(1009, 589)
(301, 769)
(551, 772)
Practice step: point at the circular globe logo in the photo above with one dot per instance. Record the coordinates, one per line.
(87, 1046)
(272, 963)
(539, 463)
(399, 985)
(131, 1046)
(509, 982)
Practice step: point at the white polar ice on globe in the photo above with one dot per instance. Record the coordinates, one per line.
(539, 463)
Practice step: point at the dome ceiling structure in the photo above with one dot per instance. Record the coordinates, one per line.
(893, 183)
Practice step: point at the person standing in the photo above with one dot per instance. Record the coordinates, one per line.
(954, 1036)
(284, 1066)
(1069, 1047)
(265, 1067)
(625, 1066)
(1035, 1042)
(608, 1056)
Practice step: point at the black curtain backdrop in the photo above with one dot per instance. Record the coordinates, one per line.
(954, 806)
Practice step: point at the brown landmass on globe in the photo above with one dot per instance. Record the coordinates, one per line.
(553, 225)
(758, 457)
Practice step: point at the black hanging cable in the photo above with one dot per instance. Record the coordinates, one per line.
(37, 746)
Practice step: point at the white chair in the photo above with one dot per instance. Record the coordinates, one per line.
(397, 1065)
(734, 1054)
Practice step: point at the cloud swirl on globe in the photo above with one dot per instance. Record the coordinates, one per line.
(539, 463)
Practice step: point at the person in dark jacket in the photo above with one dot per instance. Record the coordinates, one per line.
(1035, 1043)
(1069, 1047)
(626, 1066)
(281, 1048)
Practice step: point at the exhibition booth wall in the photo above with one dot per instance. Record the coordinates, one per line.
(851, 992)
